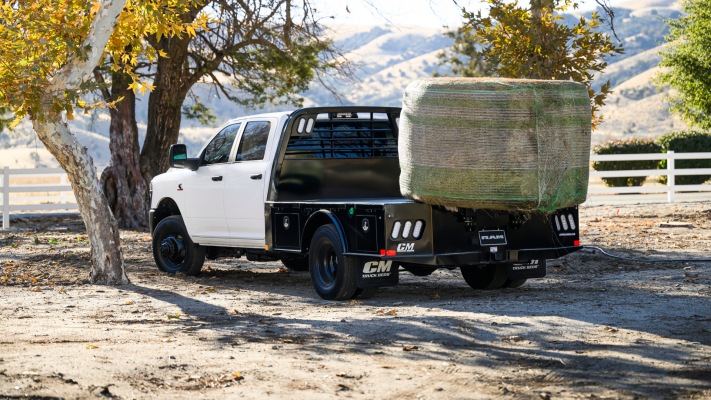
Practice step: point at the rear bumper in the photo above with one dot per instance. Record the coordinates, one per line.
(480, 257)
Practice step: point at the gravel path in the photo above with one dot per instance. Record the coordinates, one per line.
(595, 327)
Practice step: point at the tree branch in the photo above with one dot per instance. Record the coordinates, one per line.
(103, 88)
(78, 68)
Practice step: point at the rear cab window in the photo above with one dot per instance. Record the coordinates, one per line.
(253, 144)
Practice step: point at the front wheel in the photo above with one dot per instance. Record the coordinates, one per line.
(173, 249)
(333, 275)
(485, 277)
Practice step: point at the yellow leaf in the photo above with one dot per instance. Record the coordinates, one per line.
(36, 289)
(128, 303)
(92, 346)
(95, 7)
(211, 289)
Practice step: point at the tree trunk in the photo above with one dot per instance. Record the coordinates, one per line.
(102, 229)
(123, 181)
(172, 82)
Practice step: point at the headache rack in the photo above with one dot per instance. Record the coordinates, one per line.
(343, 135)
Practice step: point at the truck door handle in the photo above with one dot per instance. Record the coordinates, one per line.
(258, 176)
(216, 178)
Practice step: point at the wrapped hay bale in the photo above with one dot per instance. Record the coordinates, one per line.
(505, 144)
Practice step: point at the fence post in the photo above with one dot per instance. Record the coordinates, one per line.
(670, 176)
(5, 198)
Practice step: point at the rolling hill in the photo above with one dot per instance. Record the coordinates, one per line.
(387, 58)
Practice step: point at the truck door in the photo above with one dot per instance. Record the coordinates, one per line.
(245, 184)
(204, 214)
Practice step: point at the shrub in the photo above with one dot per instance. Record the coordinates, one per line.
(686, 142)
(629, 146)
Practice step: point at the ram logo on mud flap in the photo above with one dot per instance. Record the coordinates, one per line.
(377, 269)
(406, 248)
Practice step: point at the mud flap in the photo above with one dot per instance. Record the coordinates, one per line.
(533, 269)
(374, 272)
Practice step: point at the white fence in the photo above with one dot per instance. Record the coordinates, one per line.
(39, 198)
(670, 172)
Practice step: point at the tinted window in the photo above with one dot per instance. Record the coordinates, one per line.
(218, 150)
(254, 141)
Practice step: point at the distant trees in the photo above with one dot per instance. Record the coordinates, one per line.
(512, 41)
(688, 63)
(253, 52)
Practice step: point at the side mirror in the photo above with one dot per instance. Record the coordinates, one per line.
(179, 158)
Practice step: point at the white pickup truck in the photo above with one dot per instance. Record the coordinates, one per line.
(318, 189)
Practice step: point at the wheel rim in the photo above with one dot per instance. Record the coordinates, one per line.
(327, 266)
(173, 250)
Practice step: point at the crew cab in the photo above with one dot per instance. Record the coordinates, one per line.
(318, 189)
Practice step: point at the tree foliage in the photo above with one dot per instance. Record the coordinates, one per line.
(688, 63)
(535, 43)
(37, 38)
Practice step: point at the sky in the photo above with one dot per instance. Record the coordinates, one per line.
(430, 13)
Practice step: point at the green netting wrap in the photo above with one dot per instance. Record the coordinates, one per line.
(504, 144)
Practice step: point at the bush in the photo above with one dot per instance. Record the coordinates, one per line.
(686, 142)
(629, 146)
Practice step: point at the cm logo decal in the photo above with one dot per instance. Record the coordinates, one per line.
(406, 248)
(376, 268)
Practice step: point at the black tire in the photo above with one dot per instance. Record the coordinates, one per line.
(513, 284)
(296, 263)
(419, 270)
(364, 294)
(173, 249)
(333, 275)
(485, 277)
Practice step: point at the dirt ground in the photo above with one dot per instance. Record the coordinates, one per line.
(595, 327)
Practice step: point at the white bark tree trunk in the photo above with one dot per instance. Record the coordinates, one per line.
(106, 254)
(102, 229)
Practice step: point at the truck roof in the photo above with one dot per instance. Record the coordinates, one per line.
(278, 114)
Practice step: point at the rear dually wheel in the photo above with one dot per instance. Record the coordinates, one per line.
(333, 275)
